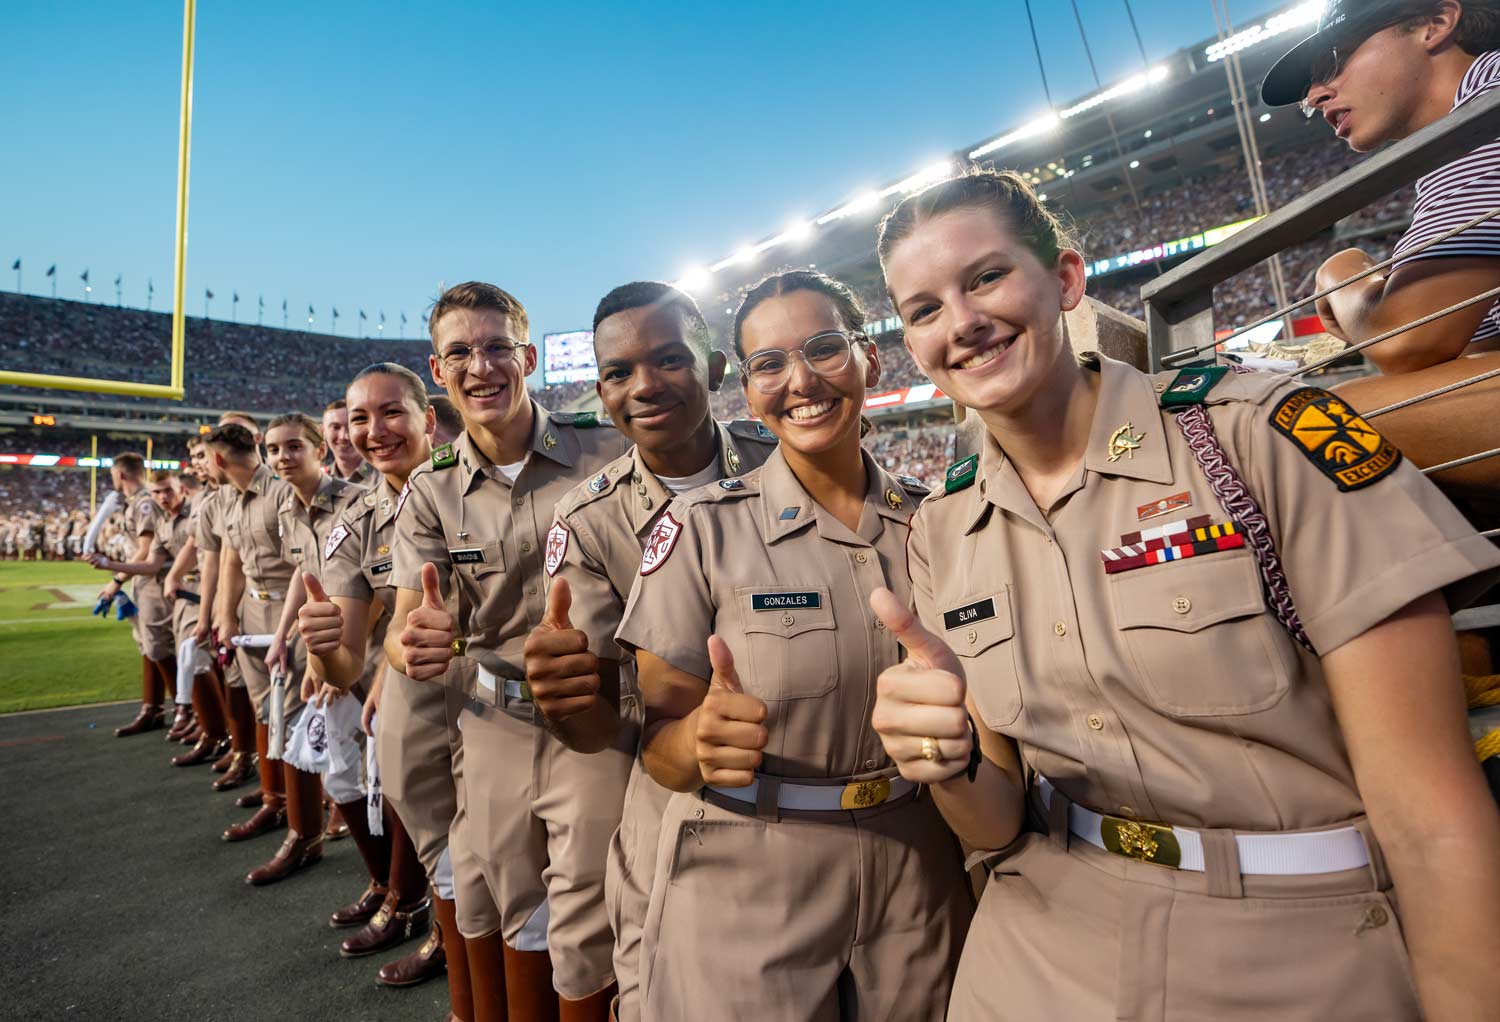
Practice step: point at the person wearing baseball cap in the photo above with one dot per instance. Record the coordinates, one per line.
(1378, 71)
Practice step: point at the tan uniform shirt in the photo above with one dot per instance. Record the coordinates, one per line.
(493, 532)
(306, 529)
(208, 527)
(252, 528)
(173, 536)
(602, 526)
(785, 585)
(358, 563)
(1170, 692)
(143, 518)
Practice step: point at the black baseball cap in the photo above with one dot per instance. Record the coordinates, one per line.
(1341, 22)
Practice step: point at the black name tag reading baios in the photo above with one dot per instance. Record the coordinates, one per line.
(960, 616)
(785, 601)
(473, 555)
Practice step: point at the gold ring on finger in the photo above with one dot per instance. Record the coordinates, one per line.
(930, 750)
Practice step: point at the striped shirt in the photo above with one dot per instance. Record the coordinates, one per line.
(1458, 192)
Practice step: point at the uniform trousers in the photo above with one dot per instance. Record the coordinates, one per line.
(152, 624)
(1066, 930)
(542, 817)
(826, 917)
(259, 617)
(630, 868)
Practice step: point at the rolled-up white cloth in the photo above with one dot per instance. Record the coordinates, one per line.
(111, 503)
(187, 657)
(276, 718)
(261, 641)
(374, 797)
(345, 761)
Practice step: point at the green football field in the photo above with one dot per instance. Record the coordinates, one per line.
(53, 652)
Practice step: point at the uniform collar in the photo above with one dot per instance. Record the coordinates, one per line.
(781, 492)
(385, 499)
(731, 457)
(328, 489)
(1127, 412)
(547, 439)
(643, 486)
(260, 480)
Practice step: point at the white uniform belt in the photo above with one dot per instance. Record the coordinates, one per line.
(1323, 851)
(513, 688)
(265, 595)
(825, 798)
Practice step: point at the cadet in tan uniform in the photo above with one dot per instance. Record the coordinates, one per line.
(152, 624)
(797, 877)
(542, 815)
(392, 423)
(656, 369)
(208, 537)
(1202, 621)
(346, 461)
(254, 578)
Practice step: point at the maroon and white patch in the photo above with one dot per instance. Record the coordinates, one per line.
(660, 543)
(335, 537)
(557, 547)
(401, 500)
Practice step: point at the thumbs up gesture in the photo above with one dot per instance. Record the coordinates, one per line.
(427, 639)
(919, 703)
(320, 620)
(561, 672)
(731, 725)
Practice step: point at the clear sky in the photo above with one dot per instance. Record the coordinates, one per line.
(358, 154)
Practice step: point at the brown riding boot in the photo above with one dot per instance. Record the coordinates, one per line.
(487, 978)
(337, 828)
(303, 846)
(528, 985)
(150, 716)
(211, 725)
(392, 925)
(426, 962)
(241, 769)
(148, 719)
(241, 718)
(455, 950)
(182, 723)
(593, 1008)
(360, 911)
(376, 853)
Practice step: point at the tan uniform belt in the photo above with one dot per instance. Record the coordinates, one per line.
(1322, 851)
(823, 798)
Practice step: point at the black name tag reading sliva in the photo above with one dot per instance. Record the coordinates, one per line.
(473, 555)
(957, 618)
(785, 601)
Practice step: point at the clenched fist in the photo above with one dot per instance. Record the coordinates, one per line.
(731, 725)
(427, 639)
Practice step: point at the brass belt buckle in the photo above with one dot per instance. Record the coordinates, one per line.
(1144, 842)
(864, 794)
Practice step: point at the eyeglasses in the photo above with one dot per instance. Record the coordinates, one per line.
(825, 354)
(457, 358)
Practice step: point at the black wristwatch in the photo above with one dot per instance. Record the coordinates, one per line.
(975, 756)
(120, 579)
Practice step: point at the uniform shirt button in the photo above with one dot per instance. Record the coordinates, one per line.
(1061, 629)
(1182, 604)
(526, 547)
(862, 557)
(788, 620)
(870, 764)
(1096, 722)
(698, 814)
(1159, 386)
(972, 636)
(520, 502)
(531, 590)
(879, 625)
(1376, 915)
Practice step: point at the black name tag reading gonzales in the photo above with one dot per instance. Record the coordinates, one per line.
(960, 616)
(472, 555)
(785, 601)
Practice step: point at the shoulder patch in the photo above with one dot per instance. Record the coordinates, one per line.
(444, 456)
(1191, 386)
(578, 420)
(961, 474)
(557, 547)
(751, 429)
(1331, 435)
(337, 536)
(660, 542)
(912, 484)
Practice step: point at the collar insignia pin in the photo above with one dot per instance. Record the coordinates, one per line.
(788, 513)
(1125, 441)
(382, 549)
(892, 499)
(548, 440)
(733, 460)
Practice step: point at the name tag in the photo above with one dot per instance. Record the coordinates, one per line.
(380, 569)
(473, 555)
(957, 618)
(297, 550)
(785, 601)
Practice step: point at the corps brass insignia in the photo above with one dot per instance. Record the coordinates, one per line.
(864, 794)
(1125, 441)
(1335, 438)
(548, 440)
(733, 459)
(893, 500)
(1143, 842)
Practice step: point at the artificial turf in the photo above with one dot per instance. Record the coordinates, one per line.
(53, 651)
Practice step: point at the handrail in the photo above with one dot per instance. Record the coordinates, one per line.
(1179, 302)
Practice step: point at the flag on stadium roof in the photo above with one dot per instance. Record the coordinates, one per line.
(207, 293)
(362, 314)
(52, 270)
(16, 265)
(84, 276)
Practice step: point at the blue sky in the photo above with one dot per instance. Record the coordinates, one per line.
(355, 155)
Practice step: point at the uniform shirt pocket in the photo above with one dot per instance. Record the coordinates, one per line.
(1201, 638)
(790, 632)
(477, 560)
(980, 629)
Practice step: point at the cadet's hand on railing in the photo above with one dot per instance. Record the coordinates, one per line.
(320, 620)
(427, 639)
(561, 672)
(919, 703)
(731, 729)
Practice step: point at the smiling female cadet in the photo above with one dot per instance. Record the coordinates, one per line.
(796, 877)
(1102, 572)
(657, 368)
(392, 424)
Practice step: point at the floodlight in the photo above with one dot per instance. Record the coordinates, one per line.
(695, 278)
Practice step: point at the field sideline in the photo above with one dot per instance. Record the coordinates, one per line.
(53, 652)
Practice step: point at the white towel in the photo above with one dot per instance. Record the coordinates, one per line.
(374, 798)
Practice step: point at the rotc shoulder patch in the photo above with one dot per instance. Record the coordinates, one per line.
(557, 547)
(1191, 386)
(660, 543)
(335, 537)
(444, 456)
(1334, 438)
(578, 420)
(961, 474)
